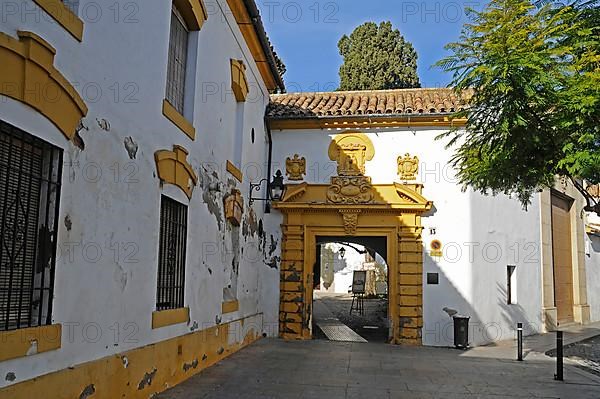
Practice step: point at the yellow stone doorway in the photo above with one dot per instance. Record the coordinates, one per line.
(393, 211)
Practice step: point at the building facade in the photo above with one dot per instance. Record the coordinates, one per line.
(131, 258)
(133, 137)
(373, 164)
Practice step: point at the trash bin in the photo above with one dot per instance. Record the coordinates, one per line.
(461, 331)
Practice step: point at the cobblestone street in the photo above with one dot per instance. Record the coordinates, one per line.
(585, 353)
(321, 369)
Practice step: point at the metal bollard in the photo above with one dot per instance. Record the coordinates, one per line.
(559, 357)
(520, 342)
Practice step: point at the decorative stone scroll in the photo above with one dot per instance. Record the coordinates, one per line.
(349, 190)
(351, 187)
(350, 220)
(295, 168)
(351, 152)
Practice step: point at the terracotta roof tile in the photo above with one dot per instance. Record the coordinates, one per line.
(384, 102)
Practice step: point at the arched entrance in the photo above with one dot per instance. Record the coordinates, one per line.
(351, 206)
(392, 212)
(350, 296)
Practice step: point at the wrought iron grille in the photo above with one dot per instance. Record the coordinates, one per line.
(178, 45)
(171, 254)
(30, 178)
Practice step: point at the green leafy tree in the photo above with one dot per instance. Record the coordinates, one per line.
(533, 71)
(377, 58)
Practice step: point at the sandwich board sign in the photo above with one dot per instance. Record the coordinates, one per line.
(359, 280)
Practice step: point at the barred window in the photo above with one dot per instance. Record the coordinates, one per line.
(73, 5)
(171, 254)
(30, 183)
(176, 67)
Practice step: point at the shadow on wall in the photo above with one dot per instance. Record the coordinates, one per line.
(595, 240)
(438, 326)
(593, 277)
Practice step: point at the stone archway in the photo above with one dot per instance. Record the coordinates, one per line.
(393, 211)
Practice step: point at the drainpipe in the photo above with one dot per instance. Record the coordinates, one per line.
(269, 160)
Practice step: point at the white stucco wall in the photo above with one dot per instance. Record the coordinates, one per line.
(105, 300)
(592, 266)
(481, 235)
(344, 268)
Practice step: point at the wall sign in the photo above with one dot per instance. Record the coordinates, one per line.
(436, 248)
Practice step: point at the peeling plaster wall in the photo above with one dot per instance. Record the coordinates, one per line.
(481, 235)
(106, 272)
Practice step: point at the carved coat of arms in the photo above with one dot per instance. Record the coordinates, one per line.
(295, 167)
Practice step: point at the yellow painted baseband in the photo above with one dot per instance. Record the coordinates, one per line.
(231, 168)
(142, 372)
(164, 318)
(29, 341)
(179, 120)
(64, 16)
(230, 307)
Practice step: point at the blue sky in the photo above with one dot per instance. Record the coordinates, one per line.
(305, 34)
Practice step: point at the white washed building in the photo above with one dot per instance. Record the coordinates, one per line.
(131, 254)
(485, 257)
(124, 127)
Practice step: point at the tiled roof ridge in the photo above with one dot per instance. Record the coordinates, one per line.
(414, 101)
(314, 93)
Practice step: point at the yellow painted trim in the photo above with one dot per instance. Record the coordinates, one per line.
(395, 213)
(239, 83)
(193, 12)
(389, 198)
(179, 120)
(173, 168)
(230, 307)
(240, 13)
(64, 16)
(164, 318)
(28, 75)
(142, 372)
(29, 341)
(231, 168)
(593, 229)
(370, 121)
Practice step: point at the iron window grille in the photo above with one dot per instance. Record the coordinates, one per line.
(177, 61)
(171, 254)
(30, 176)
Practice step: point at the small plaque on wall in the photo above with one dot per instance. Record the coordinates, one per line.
(433, 278)
(436, 248)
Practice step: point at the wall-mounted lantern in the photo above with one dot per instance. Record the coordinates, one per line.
(275, 189)
(342, 252)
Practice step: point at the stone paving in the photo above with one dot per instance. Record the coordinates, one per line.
(585, 354)
(274, 368)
